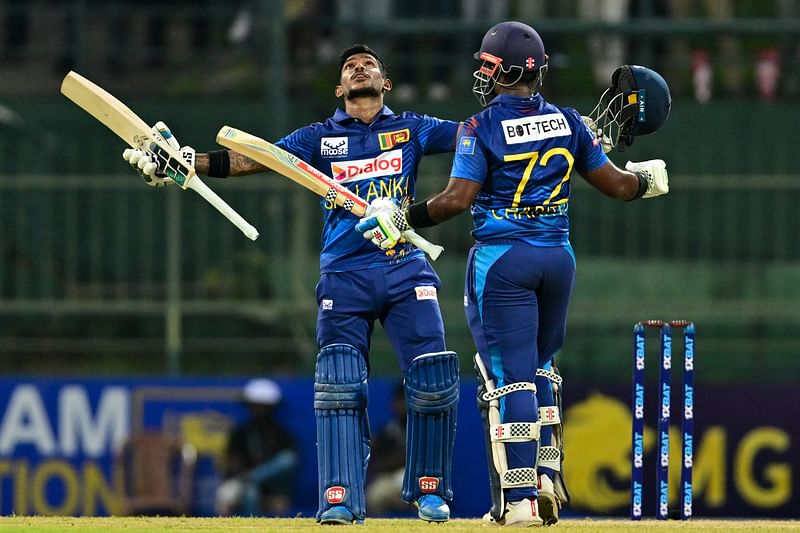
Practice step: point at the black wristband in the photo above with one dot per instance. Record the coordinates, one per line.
(417, 215)
(219, 164)
(643, 184)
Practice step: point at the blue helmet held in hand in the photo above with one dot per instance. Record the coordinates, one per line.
(637, 103)
(509, 51)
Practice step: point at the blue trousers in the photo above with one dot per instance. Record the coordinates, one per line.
(517, 297)
(403, 297)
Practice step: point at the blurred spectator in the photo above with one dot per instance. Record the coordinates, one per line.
(607, 52)
(387, 463)
(122, 16)
(428, 71)
(767, 73)
(531, 13)
(305, 27)
(477, 12)
(702, 76)
(261, 458)
(728, 53)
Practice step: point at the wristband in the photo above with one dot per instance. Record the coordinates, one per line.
(219, 164)
(643, 185)
(417, 216)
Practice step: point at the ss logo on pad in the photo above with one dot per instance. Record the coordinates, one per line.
(428, 484)
(335, 494)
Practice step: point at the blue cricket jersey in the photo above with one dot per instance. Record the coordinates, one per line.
(523, 150)
(373, 160)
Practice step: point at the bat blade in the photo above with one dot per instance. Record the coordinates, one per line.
(129, 127)
(115, 115)
(299, 171)
(292, 167)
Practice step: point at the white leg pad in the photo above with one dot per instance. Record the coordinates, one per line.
(500, 433)
(515, 432)
(549, 457)
(519, 477)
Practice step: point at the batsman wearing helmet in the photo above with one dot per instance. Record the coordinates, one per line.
(375, 153)
(513, 166)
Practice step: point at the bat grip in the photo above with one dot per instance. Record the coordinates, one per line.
(433, 250)
(211, 197)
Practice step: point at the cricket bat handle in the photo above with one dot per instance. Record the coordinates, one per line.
(211, 197)
(433, 250)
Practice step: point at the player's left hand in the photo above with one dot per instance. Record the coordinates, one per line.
(655, 172)
(384, 223)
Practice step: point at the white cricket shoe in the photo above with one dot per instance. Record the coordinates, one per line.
(524, 513)
(548, 501)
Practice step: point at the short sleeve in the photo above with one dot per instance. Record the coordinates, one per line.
(470, 159)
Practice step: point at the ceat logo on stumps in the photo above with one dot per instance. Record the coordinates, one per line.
(335, 494)
(428, 484)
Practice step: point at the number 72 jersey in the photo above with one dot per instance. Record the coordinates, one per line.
(523, 151)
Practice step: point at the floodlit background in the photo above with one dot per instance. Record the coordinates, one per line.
(103, 276)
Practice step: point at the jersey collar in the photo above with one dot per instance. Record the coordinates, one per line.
(510, 99)
(341, 116)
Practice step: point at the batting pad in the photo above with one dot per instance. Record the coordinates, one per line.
(431, 384)
(340, 407)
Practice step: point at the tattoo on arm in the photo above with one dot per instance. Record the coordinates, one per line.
(240, 165)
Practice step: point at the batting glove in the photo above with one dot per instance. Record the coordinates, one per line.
(146, 162)
(384, 224)
(654, 172)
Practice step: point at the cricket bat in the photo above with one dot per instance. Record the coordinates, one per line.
(309, 177)
(133, 130)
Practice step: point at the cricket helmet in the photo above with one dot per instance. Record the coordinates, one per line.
(638, 102)
(512, 49)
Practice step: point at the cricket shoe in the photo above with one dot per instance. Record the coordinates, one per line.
(432, 508)
(336, 515)
(524, 513)
(548, 501)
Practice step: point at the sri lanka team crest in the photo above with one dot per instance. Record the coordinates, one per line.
(391, 138)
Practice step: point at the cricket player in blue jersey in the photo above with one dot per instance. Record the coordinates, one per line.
(513, 165)
(375, 153)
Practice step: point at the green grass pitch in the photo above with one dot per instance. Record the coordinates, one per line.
(36, 524)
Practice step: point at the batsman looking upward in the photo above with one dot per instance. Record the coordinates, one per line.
(373, 152)
(513, 165)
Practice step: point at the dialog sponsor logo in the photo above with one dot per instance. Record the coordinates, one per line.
(387, 164)
(425, 292)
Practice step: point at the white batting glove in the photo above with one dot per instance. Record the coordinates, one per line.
(655, 172)
(381, 205)
(146, 163)
(384, 223)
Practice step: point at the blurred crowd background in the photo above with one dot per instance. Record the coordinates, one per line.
(100, 273)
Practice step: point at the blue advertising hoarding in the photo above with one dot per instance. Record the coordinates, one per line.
(58, 439)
